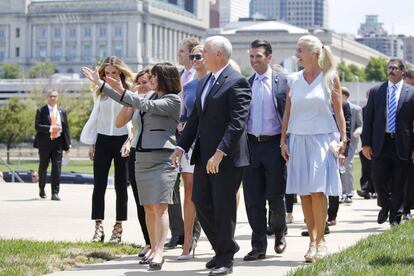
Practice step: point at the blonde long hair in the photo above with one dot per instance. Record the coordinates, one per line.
(126, 73)
(326, 60)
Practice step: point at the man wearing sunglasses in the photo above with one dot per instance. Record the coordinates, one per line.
(387, 140)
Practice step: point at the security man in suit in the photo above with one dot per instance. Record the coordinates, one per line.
(265, 178)
(52, 137)
(218, 127)
(387, 139)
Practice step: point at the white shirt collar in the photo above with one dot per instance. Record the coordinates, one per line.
(218, 73)
(50, 107)
(398, 84)
(267, 74)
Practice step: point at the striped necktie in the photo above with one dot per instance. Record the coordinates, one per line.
(392, 109)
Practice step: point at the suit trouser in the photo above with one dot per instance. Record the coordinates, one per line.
(409, 190)
(389, 174)
(347, 178)
(265, 179)
(366, 177)
(51, 153)
(333, 207)
(108, 148)
(140, 208)
(214, 196)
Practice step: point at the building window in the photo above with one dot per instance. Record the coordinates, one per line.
(86, 51)
(118, 31)
(102, 51)
(72, 32)
(17, 32)
(42, 32)
(71, 53)
(118, 50)
(41, 50)
(102, 31)
(87, 32)
(17, 52)
(57, 52)
(56, 32)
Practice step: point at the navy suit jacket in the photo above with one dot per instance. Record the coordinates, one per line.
(279, 86)
(221, 124)
(375, 121)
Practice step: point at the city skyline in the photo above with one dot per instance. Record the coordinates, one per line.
(398, 21)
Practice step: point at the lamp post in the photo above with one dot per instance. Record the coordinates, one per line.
(358, 95)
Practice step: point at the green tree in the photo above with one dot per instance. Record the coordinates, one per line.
(16, 121)
(79, 109)
(10, 71)
(357, 71)
(376, 69)
(344, 72)
(42, 70)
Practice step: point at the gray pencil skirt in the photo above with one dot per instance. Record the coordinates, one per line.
(155, 177)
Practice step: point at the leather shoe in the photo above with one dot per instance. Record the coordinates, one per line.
(254, 255)
(269, 231)
(55, 197)
(280, 245)
(221, 270)
(174, 241)
(394, 223)
(236, 248)
(42, 193)
(212, 263)
(382, 216)
(363, 194)
(306, 233)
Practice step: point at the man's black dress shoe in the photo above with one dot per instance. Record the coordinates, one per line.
(280, 245)
(221, 270)
(174, 241)
(363, 194)
(55, 197)
(254, 255)
(394, 223)
(42, 194)
(269, 231)
(211, 263)
(382, 216)
(327, 231)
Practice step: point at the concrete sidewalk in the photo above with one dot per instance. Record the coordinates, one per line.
(24, 215)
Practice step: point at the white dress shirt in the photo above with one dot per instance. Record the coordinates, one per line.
(58, 119)
(108, 111)
(398, 93)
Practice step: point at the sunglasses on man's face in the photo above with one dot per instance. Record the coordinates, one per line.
(195, 57)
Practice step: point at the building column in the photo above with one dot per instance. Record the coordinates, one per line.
(63, 33)
(109, 39)
(94, 38)
(148, 55)
(78, 43)
(49, 42)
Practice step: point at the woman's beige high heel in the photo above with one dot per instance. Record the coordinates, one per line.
(99, 234)
(116, 233)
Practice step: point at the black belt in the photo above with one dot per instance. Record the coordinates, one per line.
(263, 138)
(390, 135)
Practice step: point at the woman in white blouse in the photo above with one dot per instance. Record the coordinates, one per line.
(106, 144)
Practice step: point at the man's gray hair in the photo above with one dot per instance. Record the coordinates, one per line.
(50, 91)
(220, 43)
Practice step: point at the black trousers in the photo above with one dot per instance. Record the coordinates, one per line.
(289, 200)
(51, 153)
(409, 190)
(214, 196)
(333, 202)
(265, 179)
(108, 148)
(366, 178)
(140, 208)
(389, 174)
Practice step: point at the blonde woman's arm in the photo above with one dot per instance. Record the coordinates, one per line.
(124, 116)
(285, 121)
(336, 98)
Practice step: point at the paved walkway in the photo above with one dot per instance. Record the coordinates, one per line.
(24, 215)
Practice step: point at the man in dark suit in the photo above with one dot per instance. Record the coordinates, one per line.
(387, 139)
(51, 138)
(218, 127)
(265, 178)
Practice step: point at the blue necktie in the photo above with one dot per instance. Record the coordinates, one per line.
(392, 109)
(210, 85)
(257, 118)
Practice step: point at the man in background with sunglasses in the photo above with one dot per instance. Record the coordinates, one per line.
(387, 140)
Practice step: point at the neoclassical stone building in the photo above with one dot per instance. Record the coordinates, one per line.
(73, 33)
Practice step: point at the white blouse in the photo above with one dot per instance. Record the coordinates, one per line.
(108, 111)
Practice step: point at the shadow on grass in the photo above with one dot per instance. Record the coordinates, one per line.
(388, 260)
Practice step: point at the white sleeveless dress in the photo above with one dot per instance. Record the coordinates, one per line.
(312, 167)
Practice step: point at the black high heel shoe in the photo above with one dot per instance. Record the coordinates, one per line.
(156, 266)
(145, 261)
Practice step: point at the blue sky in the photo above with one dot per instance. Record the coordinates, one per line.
(347, 15)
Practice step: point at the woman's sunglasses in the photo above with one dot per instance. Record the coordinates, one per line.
(195, 57)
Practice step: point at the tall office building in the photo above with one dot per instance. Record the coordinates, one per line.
(72, 33)
(232, 10)
(188, 5)
(371, 27)
(308, 14)
(408, 49)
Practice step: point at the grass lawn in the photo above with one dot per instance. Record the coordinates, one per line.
(24, 257)
(388, 253)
